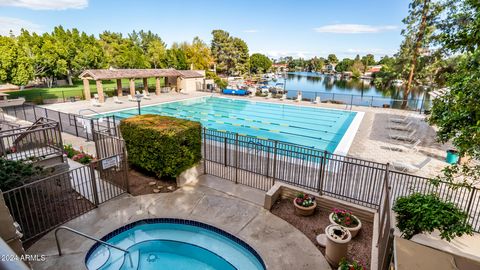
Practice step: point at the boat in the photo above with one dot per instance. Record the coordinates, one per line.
(397, 82)
(5, 102)
(235, 92)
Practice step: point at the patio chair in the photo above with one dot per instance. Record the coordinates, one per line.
(408, 167)
(403, 137)
(411, 148)
(130, 98)
(116, 100)
(252, 94)
(284, 96)
(408, 126)
(403, 119)
(317, 100)
(146, 95)
(299, 98)
(95, 103)
(95, 96)
(137, 92)
(269, 95)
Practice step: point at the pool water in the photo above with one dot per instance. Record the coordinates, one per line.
(319, 128)
(173, 244)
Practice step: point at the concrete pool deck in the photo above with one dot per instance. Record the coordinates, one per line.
(371, 141)
(220, 204)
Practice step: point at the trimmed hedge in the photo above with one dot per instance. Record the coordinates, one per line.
(162, 145)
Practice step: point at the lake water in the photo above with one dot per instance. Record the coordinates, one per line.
(356, 91)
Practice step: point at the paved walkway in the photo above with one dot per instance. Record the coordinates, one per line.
(280, 244)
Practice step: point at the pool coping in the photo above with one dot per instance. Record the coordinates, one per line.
(181, 221)
(342, 147)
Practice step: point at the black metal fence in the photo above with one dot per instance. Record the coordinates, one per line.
(74, 124)
(259, 163)
(41, 205)
(42, 139)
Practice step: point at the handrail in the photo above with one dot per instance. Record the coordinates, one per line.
(83, 110)
(91, 238)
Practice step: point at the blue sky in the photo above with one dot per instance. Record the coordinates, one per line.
(274, 27)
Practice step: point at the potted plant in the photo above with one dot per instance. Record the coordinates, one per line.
(353, 265)
(346, 219)
(304, 204)
(336, 247)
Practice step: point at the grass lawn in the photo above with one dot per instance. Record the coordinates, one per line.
(37, 95)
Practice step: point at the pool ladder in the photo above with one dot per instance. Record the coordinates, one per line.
(91, 238)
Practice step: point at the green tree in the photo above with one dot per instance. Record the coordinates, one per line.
(123, 52)
(457, 113)
(156, 54)
(198, 54)
(230, 53)
(259, 63)
(344, 65)
(15, 66)
(332, 59)
(367, 61)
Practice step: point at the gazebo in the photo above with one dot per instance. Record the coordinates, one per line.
(98, 75)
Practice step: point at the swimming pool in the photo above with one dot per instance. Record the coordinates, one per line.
(176, 244)
(320, 128)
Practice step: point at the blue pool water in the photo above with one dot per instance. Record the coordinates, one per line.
(308, 126)
(173, 244)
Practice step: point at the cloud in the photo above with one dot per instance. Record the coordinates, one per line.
(354, 28)
(15, 25)
(250, 31)
(46, 4)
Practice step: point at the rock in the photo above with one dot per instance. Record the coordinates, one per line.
(170, 188)
(153, 183)
(156, 190)
(160, 187)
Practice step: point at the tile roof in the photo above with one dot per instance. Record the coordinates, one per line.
(107, 74)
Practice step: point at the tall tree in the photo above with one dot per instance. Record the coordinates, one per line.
(368, 60)
(15, 65)
(419, 27)
(198, 54)
(259, 63)
(332, 59)
(230, 53)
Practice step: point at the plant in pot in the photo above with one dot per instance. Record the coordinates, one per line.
(346, 219)
(304, 204)
(353, 265)
(336, 247)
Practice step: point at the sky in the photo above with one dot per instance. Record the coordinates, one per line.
(298, 28)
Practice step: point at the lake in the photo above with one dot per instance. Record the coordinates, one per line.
(355, 91)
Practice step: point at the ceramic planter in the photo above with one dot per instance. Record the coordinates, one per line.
(304, 211)
(354, 230)
(336, 247)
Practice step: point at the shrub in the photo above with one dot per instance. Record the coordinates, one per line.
(75, 155)
(16, 173)
(418, 213)
(353, 265)
(162, 145)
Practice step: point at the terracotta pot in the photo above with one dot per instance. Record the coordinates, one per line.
(354, 230)
(304, 211)
(338, 238)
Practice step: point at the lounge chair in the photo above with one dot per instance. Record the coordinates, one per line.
(116, 100)
(130, 98)
(284, 96)
(269, 95)
(409, 126)
(95, 96)
(411, 148)
(146, 95)
(408, 167)
(317, 100)
(403, 137)
(252, 94)
(299, 98)
(137, 92)
(95, 103)
(404, 119)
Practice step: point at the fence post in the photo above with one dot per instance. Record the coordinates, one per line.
(60, 121)
(225, 150)
(274, 162)
(351, 101)
(34, 112)
(46, 113)
(470, 201)
(236, 158)
(76, 127)
(115, 125)
(63, 95)
(94, 183)
(204, 150)
(322, 173)
(371, 102)
(24, 114)
(15, 111)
